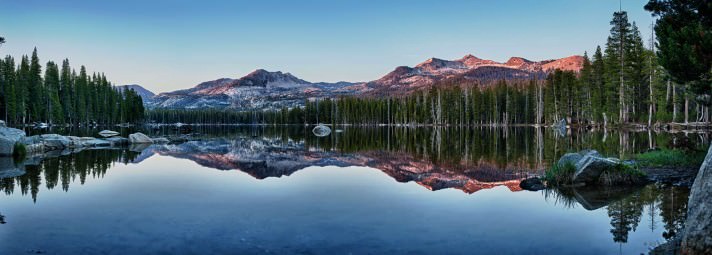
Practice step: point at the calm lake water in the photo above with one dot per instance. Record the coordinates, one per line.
(280, 190)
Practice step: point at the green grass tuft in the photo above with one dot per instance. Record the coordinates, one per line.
(671, 158)
(19, 152)
(558, 175)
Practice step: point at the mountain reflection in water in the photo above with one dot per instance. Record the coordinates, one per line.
(463, 159)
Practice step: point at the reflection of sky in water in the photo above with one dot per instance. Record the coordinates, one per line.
(174, 206)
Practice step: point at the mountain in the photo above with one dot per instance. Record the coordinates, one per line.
(469, 68)
(145, 94)
(262, 89)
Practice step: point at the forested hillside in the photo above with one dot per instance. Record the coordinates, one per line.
(61, 95)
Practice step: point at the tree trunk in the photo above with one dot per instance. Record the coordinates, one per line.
(674, 102)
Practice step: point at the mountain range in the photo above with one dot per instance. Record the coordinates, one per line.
(262, 89)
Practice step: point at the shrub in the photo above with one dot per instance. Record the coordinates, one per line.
(19, 152)
(560, 174)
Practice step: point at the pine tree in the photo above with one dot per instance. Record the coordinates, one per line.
(51, 86)
(36, 103)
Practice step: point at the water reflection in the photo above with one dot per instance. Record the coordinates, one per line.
(625, 206)
(469, 160)
(466, 159)
(58, 170)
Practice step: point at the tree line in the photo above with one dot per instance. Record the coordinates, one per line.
(622, 83)
(60, 95)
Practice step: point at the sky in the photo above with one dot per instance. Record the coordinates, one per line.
(167, 45)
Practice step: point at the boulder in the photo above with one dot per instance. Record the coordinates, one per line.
(97, 143)
(139, 138)
(160, 140)
(697, 238)
(321, 131)
(108, 133)
(589, 168)
(589, 165)
(118, 141)
(8, 168)
(139, 147)
(8, 138)
(532, 184)
(55, 142)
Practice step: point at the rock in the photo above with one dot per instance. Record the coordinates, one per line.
(97, 143)
(321, 131)
(697, 238)
(2, 123)
(8, 138)
(532, 184)
(108, 133)
(139, 138)
(8, 168)
(138, 147)
(589, 165)
(593, 198)
(54, 142)
(118, 141)
(572, 158)
(160, 140)
(589, 168)
(75, 142)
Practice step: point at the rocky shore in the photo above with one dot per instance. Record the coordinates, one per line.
(11, 139)
(587, 168)
(590, 168)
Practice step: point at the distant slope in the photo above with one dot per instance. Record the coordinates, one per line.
(409, 79)
(262, 89)
(259, 89)
(145, 94)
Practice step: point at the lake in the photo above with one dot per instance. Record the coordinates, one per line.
(281, 190)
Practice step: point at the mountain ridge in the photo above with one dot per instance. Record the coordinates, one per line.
(262, 89)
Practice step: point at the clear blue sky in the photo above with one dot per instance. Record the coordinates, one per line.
(167, 45)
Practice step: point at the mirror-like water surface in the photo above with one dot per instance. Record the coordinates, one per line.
(246, 190)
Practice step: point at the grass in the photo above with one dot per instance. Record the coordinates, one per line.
(560, 174)
(19, 152)
(671, 158)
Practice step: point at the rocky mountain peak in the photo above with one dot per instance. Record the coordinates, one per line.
(517, 61)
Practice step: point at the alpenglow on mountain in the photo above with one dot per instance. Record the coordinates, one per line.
(261, 89)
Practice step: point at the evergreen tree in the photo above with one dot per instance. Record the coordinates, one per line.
(684, 35)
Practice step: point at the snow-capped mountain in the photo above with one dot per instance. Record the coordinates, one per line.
(258, 90)
(484, 72)
(273, 90)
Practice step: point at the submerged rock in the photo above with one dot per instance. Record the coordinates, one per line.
(139, 138)
(532, 184)
(697, 238)
(97, 143)
(8, 138)
(160, 140)
(118, 141)
(321, 131)
(8, 168)
(108, 133)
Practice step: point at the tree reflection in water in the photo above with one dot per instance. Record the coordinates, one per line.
(469, 159)
(625, 206)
